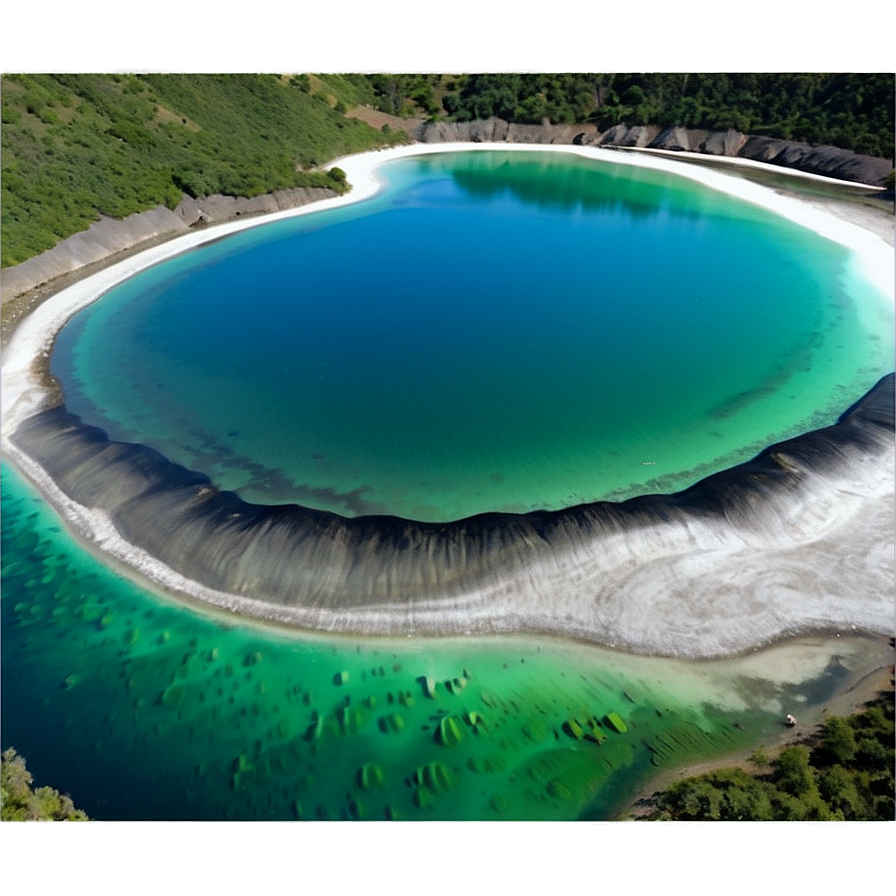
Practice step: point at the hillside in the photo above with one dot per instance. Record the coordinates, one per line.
(79, 146)
(847, 111)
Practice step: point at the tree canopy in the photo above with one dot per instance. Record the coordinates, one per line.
(844, 773)
(19, 801)
(851, 111)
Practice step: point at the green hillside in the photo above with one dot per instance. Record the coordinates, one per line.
(851, 111)
(79, 145)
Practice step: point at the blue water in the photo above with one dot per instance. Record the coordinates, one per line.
(494, 331)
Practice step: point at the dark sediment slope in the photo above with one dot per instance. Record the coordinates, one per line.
(280, 557)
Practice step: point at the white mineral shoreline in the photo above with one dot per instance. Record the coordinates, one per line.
(670, 598)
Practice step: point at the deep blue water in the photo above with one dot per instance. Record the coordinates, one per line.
(494, 331)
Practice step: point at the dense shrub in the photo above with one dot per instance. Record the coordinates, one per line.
(76, 146)
(845, 773)
(20, 802)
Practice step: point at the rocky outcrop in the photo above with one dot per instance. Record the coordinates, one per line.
(101, 240)
(830, 161)
(620, 135)
(827, 160)
(213, 209)
(495, 130)
(723, 143)
(109, 236)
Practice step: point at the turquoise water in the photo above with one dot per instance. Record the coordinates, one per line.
(493, 331)
(143, 708)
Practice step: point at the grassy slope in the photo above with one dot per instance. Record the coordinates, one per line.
(76, 146)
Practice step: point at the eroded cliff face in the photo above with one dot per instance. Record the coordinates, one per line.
(109, 236)
(829, 161)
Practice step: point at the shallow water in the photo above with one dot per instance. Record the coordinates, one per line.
(143, 708)
(493, 331)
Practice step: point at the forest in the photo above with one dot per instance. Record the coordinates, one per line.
(851, 111)
(844, 773)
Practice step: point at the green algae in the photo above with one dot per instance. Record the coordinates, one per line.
(614, 721)
(572, 728)
(429, 686)
(450, 731)
(487, 765)
(371, 775)
(173, 696)
(350, 720)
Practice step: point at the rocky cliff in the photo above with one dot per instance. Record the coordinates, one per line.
(109, 236)
(826, 160)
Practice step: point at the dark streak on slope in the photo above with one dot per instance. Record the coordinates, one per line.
(294, 556)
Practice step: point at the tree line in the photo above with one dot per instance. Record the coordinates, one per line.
(851, 111)
(77, 146)
(844, 773)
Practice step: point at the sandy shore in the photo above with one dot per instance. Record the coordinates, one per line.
(685, 593)
(852, 700)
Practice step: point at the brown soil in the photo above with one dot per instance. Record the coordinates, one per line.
(377, 119)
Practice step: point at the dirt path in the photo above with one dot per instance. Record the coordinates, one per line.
(377, 119)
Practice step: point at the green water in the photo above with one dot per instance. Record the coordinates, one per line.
(494, 331)
(144, 708)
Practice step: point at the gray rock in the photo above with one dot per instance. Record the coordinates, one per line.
(108, 236)
(101, 240)
(830, 161)
(723, 143)
(673, 139)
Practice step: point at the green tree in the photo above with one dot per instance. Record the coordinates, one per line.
(792, 773)
(18, 802)
(837, 743)
(838, 789)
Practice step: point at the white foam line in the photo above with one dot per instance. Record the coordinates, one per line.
(645, 622)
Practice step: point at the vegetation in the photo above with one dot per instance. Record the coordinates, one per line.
(76, 146)
(19, 802)
(410, 95)
(852, 111)
(844, 774)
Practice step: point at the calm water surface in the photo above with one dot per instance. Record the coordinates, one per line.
(494, 331)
